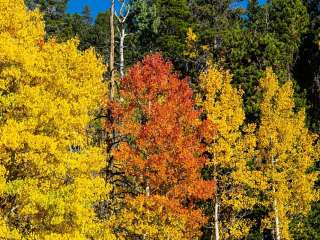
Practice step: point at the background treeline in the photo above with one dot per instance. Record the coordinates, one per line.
(206, 140)
(280, 34)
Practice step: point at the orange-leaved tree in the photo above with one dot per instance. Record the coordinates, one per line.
(162, 153)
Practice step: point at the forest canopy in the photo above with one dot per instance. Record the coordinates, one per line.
(160, 120)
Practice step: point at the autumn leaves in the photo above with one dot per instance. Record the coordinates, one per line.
(164, 155)
(257, 167)
(249, 167)
(171, 163)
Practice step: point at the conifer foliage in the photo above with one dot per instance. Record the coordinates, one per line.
(158, 159)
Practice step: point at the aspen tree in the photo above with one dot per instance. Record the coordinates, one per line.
(230, 149)
(286, 154)
(49, 171)
(122, 17)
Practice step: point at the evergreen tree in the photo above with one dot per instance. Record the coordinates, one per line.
(212, 19)
(175, 18)
(143, 26)
(159, 25)
(307, 68)
(101, 34)
(270, 38)
(86, 14)
(54, 15)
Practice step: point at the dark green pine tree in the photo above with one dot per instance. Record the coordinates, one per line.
(289, 21)
(269, 37)
(307, 72)
(142, 27)
(212, 20)
(101, 38)
(307, 68)
(54, 15)
(175, 19)
(86, 14)
(158, 26)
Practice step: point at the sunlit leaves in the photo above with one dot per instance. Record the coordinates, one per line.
(286, 155)
(164, 155)
(49, 91)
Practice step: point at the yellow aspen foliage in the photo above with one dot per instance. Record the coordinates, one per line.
(191, 44)
(152, 217)
(286, 154)
(49, 169)
(230, 149)
(193, 49)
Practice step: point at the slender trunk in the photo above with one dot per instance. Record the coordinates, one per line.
(216, 216)
(275, 206)
(148, 189)
(109, 160)
(144, 236)
(111, 55)
(277, 222)
(216, 203)
(122, 37)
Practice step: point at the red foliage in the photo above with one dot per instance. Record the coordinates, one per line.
(157, 111)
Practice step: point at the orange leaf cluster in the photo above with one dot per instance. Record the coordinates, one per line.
(156, 112)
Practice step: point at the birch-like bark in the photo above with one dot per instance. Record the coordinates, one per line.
(122, 17)
(216, 203)
(275, 207)
(122, 37)
(216, 214)
(277, 230)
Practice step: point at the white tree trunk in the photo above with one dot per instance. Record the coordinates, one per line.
(277, 222)
(216, 218)
(148, 189)
(122, 17)
(122, 37)
(275, 206)
(216, 204)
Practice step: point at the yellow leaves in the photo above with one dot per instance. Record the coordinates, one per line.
(26, 26)
(273, 158)
(191, 36)
(237, 229)
(6, 232)
(223, 102)
(191, 41)
(286, 151)
(146, 217)
(275, 97)
(223, 105)
(49, 92)
(2, 180)
(231, 148)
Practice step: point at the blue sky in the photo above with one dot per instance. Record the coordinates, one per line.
(96, 6)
